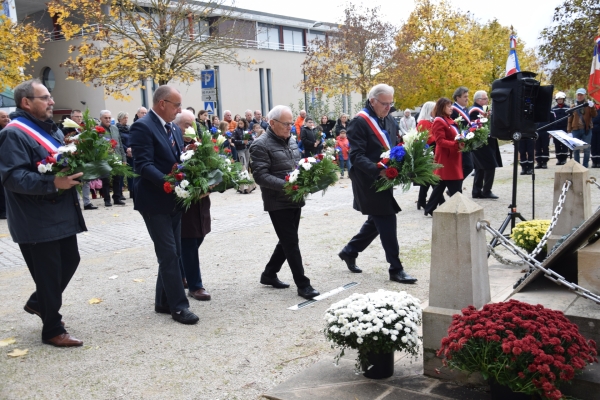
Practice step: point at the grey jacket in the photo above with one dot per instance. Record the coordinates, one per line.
(272, 158)
(35, 210)
(113, 133)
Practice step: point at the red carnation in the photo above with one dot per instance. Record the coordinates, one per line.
(216, 148)
(50, 160)
(287, 178)
(319, 156)
(179, 176)
(385, 160)
(113, 143)
(227, 151)
(391, 173)
(100, 129)
(214, 140)
(168, 187)
(295, 187)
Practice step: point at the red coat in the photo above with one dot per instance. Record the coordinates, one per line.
(425, 125)
(446, 150)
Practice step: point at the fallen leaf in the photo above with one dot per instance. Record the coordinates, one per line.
(138, 280)
(115, 215)
(7, 341)
(95, 301)
(326, 214)
(114, 277)
(5, 235)
(18, 353)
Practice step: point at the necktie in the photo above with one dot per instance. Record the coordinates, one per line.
(170, 133)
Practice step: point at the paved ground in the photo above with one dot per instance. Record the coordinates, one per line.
(247, 342)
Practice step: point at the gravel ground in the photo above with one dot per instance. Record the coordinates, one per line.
(246, 341)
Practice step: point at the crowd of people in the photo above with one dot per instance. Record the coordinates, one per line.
(45, 213)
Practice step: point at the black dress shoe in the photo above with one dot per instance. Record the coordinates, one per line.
(275, 282)
(538, 166)
(476, 195)
(185, 316)
(162, 310)
(308, 292)
(420, 204)
(107, 203)
(561, 163)
(544, 166)
(350, 262)
(119, 202)
(90, 207)
(489, 195)
(402, 277)
(426, 213)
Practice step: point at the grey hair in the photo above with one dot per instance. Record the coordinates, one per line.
(104, 112)
(248, 111)
(122, 115)
(140, 109)
(382, 88)
(407, 111)
(276, 111)
(162, 93)
(459, 92)
(479, 94)
(182, 114)
(75, 111)
(24, 90)
(426, 110)
(226, 111)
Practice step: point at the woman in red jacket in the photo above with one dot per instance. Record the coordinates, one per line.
(447, 153)
(424, 123)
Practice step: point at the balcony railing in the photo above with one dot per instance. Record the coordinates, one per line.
(55, 36)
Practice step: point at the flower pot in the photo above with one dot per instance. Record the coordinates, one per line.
(382, 365)
(501, 392)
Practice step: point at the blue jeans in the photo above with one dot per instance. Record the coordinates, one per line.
(342, 162)
(586, 136)
(191, 262)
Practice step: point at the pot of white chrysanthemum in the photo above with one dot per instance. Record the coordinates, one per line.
(376, 325)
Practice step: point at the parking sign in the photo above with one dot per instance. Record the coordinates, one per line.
(208, 78)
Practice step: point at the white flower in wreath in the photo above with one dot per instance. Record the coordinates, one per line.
(483, 120)
(187, 155)
(459, 119)
(43, 168)
(404, 339)
(306, 166)
(69, 123)
(184, 183)
(470, 135)
(385, 154)
(67, 149)
(294, 175)
(181, 192)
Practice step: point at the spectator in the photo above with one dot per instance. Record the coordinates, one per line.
(204, 124)
(580, 125)
(327, 127)
(228, 143)
(242, 145)
(215, 121)
(140, 113)
(343, 151)
(342, 123)
(248, 116)
(310, 140)
(227, 118)
(4, 119)
(112, 133)
(258, 119)
(300, 123)
(237, 117)
(122, 119)
(407, 123)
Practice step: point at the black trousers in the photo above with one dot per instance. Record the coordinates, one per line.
(542, 151)
(117, 184)
(286, 223)
(51, 265)
(423, 189)
(165, 231)
(526, 153)
(595, 150)
(385, 227)
(561, 151)
(483, 181)
(437, 195)
(467, 164)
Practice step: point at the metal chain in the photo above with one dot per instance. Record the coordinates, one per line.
(532, 262)
(504, 260)
(592, 180)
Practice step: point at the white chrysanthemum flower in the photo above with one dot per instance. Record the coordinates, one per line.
(181, 192)
(470, 135)
(385, 154)
(42, 168)
(483, 120)
(394, 337)
(306, 166)
(359, 340)
(184, 183)
(404, 339)
(186, 155)
(69, 123)
(67, 149)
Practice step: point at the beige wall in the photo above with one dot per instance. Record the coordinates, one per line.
(240, 89)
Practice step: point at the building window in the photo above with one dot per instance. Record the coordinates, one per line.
(48, 78)
(144, 94)
(292, 39)
(268, 37)
(314, 36)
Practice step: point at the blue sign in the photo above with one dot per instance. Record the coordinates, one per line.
(209, 106)
(208, 78)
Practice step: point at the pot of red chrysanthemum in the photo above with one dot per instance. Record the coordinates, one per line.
(528, 349)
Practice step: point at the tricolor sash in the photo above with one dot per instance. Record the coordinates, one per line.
(450, 125)
(39, 135)
(461, 113)
(475, 108)
(379, 133)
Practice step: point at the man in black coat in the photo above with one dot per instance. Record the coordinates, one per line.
(561, 151)
(371, 133)
(43, 210)
(486, 158)
(156, 145)
(311, 140)
(459, 109)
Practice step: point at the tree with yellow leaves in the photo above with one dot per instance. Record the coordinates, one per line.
(352, 59)
(126, 42)
(20, 45)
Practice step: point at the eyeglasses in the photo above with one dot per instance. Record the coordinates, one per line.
(286, 124)
(177, 105)
(384, 104)
(46, 98)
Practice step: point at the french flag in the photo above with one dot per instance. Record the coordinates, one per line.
(594, 83)
(512, 63)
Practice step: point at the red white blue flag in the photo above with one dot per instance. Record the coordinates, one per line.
(594, 83)
(512, 63)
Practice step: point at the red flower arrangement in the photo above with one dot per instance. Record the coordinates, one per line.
(530, 349)
(391, 173)
(100, 129)
(168, 187)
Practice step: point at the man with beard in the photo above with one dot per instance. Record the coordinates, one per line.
(43, 210)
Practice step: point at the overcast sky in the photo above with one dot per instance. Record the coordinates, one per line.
(528, 17)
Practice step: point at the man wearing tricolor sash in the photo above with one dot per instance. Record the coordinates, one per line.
(460, 111)
(43, 209)
(372, 132)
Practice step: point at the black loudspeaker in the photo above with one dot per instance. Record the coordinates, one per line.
(518, 102)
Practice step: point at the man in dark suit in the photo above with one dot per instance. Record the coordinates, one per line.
(459, 109)
(371, 133)
(156, 145)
